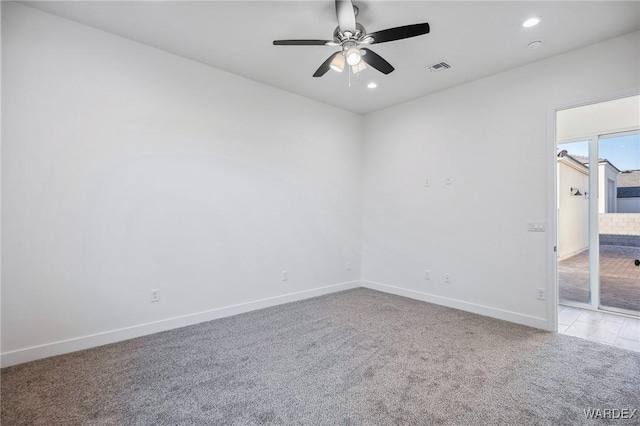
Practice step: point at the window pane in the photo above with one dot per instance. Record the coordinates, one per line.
(573, 222)
(619, 222)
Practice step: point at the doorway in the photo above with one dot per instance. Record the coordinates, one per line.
(598, 209)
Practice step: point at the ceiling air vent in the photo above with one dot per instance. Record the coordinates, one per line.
(440, 66)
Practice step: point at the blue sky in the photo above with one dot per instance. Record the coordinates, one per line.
(622, 151)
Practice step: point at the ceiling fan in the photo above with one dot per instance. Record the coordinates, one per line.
(350, 36)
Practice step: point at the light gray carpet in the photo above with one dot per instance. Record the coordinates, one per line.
(357, 357)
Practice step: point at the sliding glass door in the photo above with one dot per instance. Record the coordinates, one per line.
(598, 204)
(573, 222)
(619, 222)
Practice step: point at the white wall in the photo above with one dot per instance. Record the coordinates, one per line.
(629, 205)
(607, 191)
(612, 116)
(125, 169)
(492, 137)
(1, 10)
(573, 211)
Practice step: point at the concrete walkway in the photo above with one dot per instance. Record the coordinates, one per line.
(619, 277)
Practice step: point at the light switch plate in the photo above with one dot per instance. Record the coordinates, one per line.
(535, 226)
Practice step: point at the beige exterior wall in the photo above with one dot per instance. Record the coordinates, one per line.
(620, 224)
(573, 211)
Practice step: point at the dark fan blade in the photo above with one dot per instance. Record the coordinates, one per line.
(346, 16)
(300, 42)
(399, 33)
(376, 61)
(326, 65)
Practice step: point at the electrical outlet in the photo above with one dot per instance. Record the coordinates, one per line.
(155, 295)
(427, 274)
(447, 278)
(448, 180)
(348, 266)
(285, 275)
(541, 294)
(427, 182)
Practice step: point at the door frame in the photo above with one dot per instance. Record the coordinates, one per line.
(553, 300)
(592, 221)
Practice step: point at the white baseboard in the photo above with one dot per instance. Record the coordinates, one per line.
(86, 342)
(58, 348)
(462, 305)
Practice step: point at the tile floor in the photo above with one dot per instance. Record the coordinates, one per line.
(610, 329)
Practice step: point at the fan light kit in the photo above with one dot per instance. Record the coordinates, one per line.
(357, 68)
(337, 64)
(350, 36)
(353, 56)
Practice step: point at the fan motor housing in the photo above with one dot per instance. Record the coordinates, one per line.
(340, 37)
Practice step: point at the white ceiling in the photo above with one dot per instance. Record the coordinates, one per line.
(476, 38)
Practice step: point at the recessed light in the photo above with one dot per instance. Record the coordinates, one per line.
(531, 22)
(535, 44)
(372, 85)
